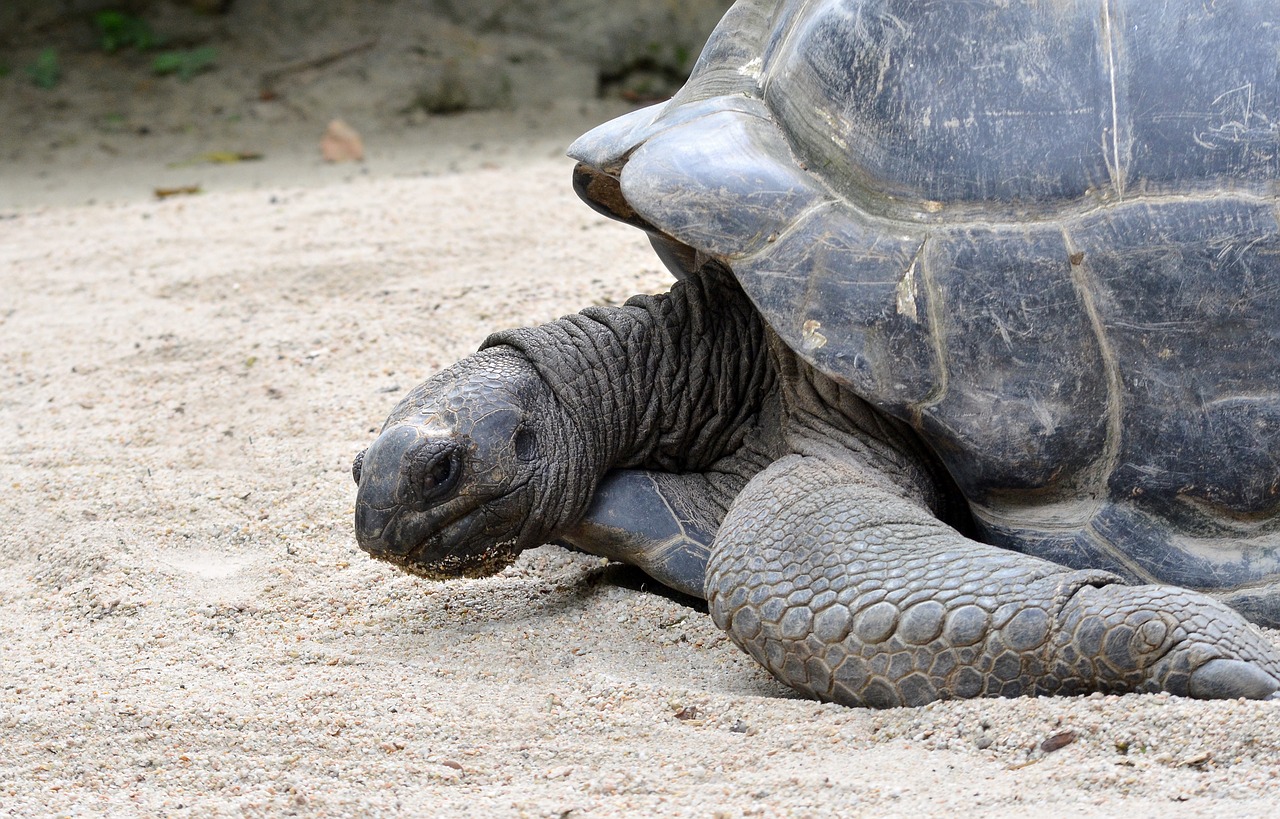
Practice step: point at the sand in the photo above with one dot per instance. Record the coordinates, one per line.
(187, 627)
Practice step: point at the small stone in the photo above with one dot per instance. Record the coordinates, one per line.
(341, 143)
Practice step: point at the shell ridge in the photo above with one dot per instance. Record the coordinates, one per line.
(1106, 463)
(937, 322)
(1116, 162)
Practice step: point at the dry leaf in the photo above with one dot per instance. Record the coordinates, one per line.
(228, 157)
(1197, 760)
(185, 190)
(218, 158)
(1058, 741)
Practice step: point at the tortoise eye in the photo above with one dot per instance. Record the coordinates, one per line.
(439, 473)
(432, 471)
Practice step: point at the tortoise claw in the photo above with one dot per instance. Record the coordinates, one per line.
(357, 466)
(1231, 679)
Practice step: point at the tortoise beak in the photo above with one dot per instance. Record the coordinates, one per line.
(404, 473)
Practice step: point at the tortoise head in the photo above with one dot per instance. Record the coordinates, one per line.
(453, 484)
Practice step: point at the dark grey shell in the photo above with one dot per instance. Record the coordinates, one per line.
(1043, 233)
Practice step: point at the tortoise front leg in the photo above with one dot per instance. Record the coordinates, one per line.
(664, 522)
(848, 592)
(660, 522)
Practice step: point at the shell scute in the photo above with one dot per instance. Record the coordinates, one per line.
(721, 183)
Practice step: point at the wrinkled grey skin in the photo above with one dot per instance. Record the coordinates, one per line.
(705, 437)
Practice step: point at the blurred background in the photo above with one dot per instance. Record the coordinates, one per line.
(117, 99)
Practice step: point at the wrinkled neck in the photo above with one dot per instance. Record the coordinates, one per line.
(825, 418)
(669, 382)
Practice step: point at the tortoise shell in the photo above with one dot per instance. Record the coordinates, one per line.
(1042, 233)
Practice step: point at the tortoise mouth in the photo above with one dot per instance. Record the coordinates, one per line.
(434, 547)
(484, 563)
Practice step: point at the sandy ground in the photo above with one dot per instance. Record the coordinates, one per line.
(187, 628)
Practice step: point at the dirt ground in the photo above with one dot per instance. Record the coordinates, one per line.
(187, 627)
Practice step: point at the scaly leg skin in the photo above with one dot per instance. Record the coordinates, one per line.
(848, 592)
(662, 523)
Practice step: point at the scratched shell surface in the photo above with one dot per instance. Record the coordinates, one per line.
(1044, 233)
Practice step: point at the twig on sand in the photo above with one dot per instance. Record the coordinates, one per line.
(273, 75)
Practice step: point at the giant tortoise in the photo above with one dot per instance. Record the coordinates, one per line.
(970, 381)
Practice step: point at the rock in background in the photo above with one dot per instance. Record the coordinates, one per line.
(645, 48)
(388, 57)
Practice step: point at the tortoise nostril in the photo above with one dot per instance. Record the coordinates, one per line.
(526, 445)
(357, 465)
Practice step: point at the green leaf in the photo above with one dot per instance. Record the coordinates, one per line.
(45, 71)
(186, 64)
(117, 30)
